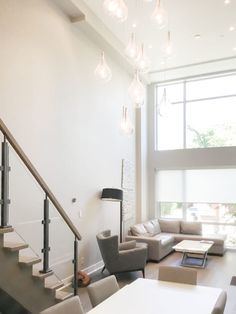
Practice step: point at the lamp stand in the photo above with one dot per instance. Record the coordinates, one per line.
(121, 220)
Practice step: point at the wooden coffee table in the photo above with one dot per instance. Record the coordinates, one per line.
(194, 252)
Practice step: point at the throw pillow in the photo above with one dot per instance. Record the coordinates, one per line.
(138, 230)
(152, 228)
(155, 222)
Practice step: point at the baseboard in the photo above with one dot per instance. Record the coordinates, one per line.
(95, 267)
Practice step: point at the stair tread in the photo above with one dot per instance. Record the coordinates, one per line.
(29, 260)
(63, 295)
(36, 273)
(15, 246)
(6, 230)
(54, 286)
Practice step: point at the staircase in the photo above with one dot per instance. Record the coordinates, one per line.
(23, 288)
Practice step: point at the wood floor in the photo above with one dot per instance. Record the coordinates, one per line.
(218, 273)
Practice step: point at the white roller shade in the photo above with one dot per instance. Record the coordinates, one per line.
(208, 186)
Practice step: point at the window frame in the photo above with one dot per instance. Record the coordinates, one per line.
(184, 101)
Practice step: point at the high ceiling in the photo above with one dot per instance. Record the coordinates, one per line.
(211, 19)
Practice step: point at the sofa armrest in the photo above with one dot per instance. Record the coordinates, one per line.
(136, 258)
(127, 245)
(148, 240)
(157, 248)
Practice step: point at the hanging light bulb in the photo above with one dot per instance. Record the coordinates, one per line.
(159, 15)
(164, 104)
(169, 48)
(132, 48)
(143, 63)
(110, 6)
(121, 12)
(117, 9)
(102, 71)
(137, 91)
(126, 125)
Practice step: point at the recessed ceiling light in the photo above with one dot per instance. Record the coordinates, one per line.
(150, 46)
(134, 25)
(227, 1)
(197, 36)
(234, 49)
(162, 62)
(231, 28)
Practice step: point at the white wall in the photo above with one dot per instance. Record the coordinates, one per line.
(66, 122)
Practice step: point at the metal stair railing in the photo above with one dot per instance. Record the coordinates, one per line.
(5, 201)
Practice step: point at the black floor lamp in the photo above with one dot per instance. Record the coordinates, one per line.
(117, 196)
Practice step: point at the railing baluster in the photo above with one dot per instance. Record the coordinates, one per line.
(5, 185)
(75, 261)
(46, 247)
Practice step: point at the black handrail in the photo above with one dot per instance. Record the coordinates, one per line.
(38, 178)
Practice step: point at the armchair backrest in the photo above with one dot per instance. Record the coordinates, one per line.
(108, 246)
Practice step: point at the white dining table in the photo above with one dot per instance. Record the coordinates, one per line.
(159, 297)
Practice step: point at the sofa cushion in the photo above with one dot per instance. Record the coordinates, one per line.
(155, 222)
(165, 239)
(191, 227)
(151, 228)
(169, 226)
(138, 230)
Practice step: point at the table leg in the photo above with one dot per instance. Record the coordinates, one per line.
(203, 258)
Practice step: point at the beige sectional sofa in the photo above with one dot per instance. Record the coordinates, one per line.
(162, 234)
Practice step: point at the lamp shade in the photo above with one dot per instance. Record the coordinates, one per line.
(112, 194)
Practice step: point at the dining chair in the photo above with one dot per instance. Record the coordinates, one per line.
(177, 274)
(220, 304)
(102, 289)
(69, 306)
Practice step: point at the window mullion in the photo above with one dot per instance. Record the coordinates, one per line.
(184, 114)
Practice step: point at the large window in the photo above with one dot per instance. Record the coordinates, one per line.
(206, 195)
(197, 113)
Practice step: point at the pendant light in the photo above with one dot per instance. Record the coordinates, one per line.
(159, 15)
(164, 104)
(126, 125)
(169, 48)
(110, 6)
(137, 90)
(131, 49)
(117, 9)
(121, 12)
(102, 71)
(143, 63)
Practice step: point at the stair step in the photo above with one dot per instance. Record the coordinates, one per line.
(29, 260)
(63, 295)
(6, 230)
(39, 275)
(54, 286)
(13, 246)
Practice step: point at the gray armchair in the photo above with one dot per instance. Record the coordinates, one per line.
(128, 256)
